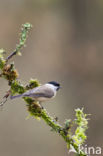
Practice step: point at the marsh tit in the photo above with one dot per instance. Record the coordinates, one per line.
(41, 93)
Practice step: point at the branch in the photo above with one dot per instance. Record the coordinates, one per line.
(24, 32)
(9, 72)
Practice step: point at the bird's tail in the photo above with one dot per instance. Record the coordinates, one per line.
(17, 96)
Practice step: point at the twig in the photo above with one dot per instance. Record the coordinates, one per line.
(11, 55)
(25, 28)
(4, 100)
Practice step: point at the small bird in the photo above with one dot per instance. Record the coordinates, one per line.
(41, 93)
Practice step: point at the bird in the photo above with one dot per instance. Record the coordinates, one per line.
(41, 93)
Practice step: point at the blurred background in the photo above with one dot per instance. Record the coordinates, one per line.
(66, 45)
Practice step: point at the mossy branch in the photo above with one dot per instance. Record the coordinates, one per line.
(9, 72)
(23, 36)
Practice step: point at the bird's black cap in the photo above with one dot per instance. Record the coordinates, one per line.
(54, 83)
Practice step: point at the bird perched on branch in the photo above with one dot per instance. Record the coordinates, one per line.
(41, 93)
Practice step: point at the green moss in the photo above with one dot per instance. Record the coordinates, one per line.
(32, 84)
(17, 87)
(2, 60)
(82, 125)
(23, 37)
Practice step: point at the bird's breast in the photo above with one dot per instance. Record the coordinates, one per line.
(43, 99)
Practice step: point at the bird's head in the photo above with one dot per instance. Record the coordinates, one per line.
(55, 84)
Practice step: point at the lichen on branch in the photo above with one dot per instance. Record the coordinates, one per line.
(9, 72)
(23, 37)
